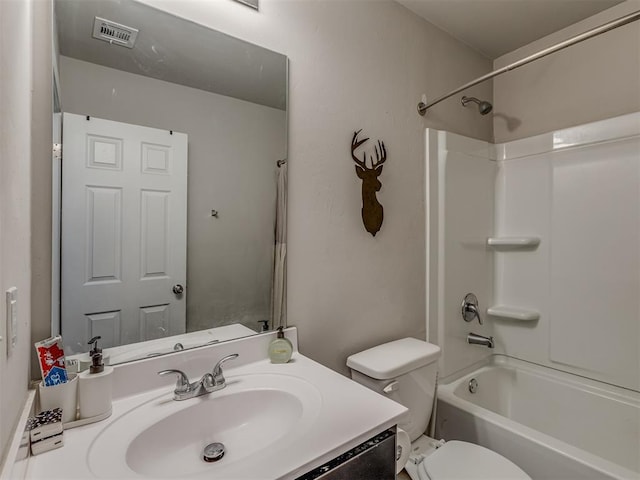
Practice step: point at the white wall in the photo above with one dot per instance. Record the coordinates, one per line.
(233, 149)
(593, 80)
(582, 198)
(354, 64)
(15, 191)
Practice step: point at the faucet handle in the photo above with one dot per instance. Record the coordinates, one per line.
(217, 370)
(470, 309)
(182, 383)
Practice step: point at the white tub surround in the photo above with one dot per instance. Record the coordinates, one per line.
(513, 242)
(513, 313)
(553, 424)
(337, 415)
(545, 231)
(578, 189)
(460, 202)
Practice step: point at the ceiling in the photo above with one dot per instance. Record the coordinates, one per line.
(174, 50)
(496, 27)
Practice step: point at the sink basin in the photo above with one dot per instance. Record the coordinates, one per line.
(245, 422)
(254, 416)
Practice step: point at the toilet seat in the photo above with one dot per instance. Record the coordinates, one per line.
(461, 460)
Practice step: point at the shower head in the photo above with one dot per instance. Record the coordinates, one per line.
(483, 107)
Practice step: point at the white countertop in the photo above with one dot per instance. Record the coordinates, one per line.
(348, 415)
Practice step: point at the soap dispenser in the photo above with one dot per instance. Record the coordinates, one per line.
(95, 385)
(281, 349)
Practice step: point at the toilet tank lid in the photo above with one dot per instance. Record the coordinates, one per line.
(393, 359)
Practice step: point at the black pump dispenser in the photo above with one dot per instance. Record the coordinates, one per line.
(97, 365)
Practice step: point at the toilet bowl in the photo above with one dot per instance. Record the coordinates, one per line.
(405, 371)
(455, 460)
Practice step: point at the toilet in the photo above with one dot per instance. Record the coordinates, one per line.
(405, 371)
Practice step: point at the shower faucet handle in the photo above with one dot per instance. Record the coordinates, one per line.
(470, 309)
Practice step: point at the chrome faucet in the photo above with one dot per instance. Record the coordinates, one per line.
(210, 382)
(470, 309)
(217, 376)
(475, 339)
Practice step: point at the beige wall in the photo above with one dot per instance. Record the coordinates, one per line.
(15, 189)
(355, 64)
(41, 152)
(593, 80)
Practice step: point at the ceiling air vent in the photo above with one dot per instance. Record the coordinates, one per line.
(114, 33)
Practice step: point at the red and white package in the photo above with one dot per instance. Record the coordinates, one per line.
(51, 360)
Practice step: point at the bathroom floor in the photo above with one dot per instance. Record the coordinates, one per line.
(403, 475)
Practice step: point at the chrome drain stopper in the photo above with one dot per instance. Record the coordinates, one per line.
(213, 452)
(473, 385)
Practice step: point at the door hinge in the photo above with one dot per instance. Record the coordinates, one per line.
(57, 151)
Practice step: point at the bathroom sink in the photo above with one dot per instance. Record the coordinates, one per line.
(276, 421)
(254, 416)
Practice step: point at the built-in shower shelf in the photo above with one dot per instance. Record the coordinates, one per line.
(513, 313)
(513, 242)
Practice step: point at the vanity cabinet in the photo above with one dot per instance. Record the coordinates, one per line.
(374, 459)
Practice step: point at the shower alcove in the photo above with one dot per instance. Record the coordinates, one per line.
(546, 232)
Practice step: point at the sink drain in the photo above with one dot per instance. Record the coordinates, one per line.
(213, 452)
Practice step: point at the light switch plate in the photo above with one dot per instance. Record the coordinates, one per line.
(12, 318)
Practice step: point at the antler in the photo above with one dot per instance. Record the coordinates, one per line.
(381, 155)
(381, 152)
(355, 144)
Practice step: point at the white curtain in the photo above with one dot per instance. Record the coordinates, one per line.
(279, 291)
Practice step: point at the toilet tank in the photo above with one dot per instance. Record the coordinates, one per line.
(405, 371)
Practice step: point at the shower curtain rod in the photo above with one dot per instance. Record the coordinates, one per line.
(632, 17)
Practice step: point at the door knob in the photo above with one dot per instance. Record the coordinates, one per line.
(178, 289)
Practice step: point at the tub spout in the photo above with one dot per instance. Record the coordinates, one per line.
(475, 339)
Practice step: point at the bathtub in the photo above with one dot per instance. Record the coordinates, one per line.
(552, 424)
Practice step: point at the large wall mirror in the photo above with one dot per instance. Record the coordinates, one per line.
(172, 183)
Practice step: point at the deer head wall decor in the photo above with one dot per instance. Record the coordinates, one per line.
(372, 211)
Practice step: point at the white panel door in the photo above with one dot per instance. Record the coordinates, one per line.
(124, 240)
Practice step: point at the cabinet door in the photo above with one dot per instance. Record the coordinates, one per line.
(375, 459)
